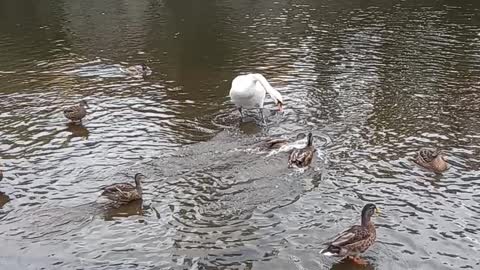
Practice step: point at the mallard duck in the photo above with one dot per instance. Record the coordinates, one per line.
(138, 70)
(350, 243)
(125, 192)
(76, 112)
(278, 142)
(432, 159)
(302, 157)
(248, 92)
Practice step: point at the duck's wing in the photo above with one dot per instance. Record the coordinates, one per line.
(301, 157)
(275, 143)
(71, 110)
(293, 157)
(68, 110)
(306, 156)
(118, 188)
(427, 155)
(74, 112)
(352, 235)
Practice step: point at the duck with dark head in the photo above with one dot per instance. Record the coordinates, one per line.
(76, 113)
(302, 157)
(138, 70)
(122, 193)
(356, 240)
(432, 159)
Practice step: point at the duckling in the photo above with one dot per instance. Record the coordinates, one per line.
(302, 157)
(138, 70)
(76, 112)
(432, 159)
(124, 192)
(357, 239)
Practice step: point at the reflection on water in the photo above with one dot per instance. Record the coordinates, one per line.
(3, 199)
(126, 210)
(374, 81)
(77, 130)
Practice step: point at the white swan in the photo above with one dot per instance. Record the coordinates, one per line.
(248, 91)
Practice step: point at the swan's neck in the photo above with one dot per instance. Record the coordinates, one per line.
(276, 96)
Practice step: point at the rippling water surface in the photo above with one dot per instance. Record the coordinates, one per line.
(373, 80)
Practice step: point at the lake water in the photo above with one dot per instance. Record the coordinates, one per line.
(373, 80)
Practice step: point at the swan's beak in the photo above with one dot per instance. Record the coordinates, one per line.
(280, 107)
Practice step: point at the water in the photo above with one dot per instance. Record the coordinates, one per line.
(373, 80)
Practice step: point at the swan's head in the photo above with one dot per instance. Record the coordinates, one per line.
(280, 105)
(277, 98)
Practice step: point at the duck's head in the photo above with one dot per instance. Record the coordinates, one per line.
(368, 210)
(145, 70)
(138, 178)
(83, 103)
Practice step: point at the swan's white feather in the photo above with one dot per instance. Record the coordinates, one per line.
(248, 91)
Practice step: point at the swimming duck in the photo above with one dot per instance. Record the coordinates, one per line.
(275, 143)
(138, 70)
(248, 92)
(76, 112)
(357, 239)
(125, 192)
(302, 157)
(432, 159)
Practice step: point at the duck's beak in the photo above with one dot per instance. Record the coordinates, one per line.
(377, 211)
(280, 106)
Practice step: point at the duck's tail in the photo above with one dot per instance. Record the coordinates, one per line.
(330, 251)
(310, 139)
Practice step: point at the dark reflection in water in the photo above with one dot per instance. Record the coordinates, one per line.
(77, 130)
(3, 199)
(126, 210)
(373, 80)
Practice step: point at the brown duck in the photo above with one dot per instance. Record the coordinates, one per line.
(76, 113)
(432, 159)
(137, 70)
(302, 157)
(275, 143)
(356, 240)
(124, 192)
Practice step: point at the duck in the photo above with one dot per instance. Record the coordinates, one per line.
(76, 113)
(249, 91)
(1, 175)
(275, 143)
(432, 159)
(302, 157)
(355, 240)
(138, 70)
(123, 193)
